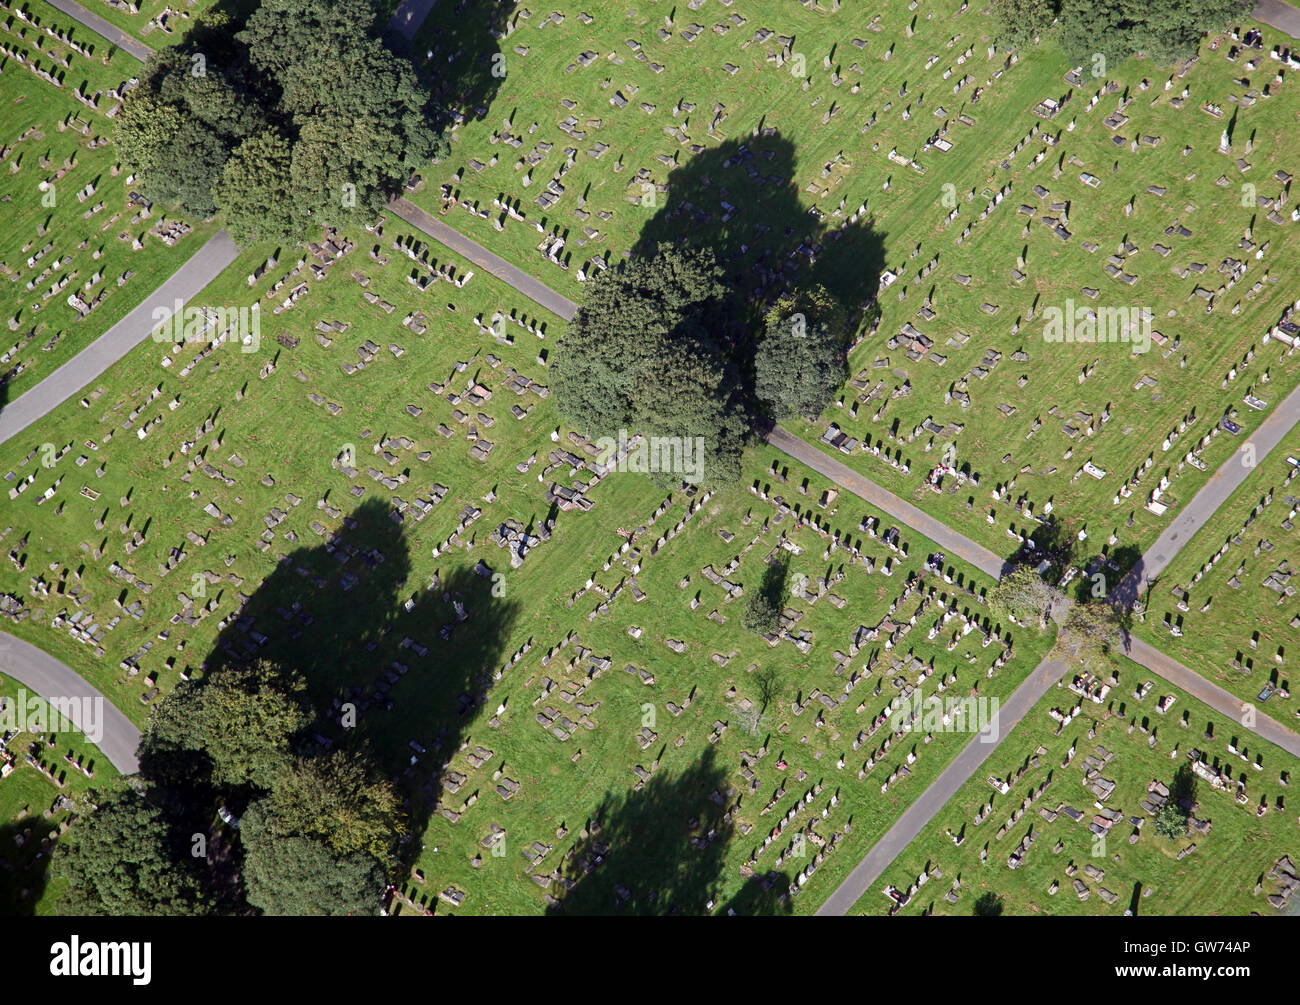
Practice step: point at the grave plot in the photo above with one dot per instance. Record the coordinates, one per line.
(42, 774)
(1226, 606)
(206, 475)
(156, 23)
(775, 761)
(196, 442)
(81, 247)
(605, 132)
(1065, 821)
(1117, 239)
(1114, 441)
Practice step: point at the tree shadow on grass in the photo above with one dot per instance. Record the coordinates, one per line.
(360, 649)
(742, 199)
(25, 849)
(456, 52)
(661, 850)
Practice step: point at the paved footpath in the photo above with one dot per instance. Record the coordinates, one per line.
(519, 280)
(1048, 672)
(131, 46)
(48, 677)
(1213, 494)
(39, 667)
(885, 501)
(204, 266)
(1280, 15)
(942, 789)
(1211, 694)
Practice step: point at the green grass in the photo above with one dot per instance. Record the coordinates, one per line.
(1219, 877)
(28, 803)
(142, 25)
(1244, 639)
(272, 429)
(911, 217)
(43, 332)
(246, 420)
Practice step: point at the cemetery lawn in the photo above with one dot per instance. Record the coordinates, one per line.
(1243, 639)
(27, 793)
(1218, 877)
(771, 174)
(551, 661)
(107, 559)
(85, 236)
(143, 24)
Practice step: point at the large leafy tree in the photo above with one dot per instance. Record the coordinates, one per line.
(1022, 596)
(180, 124)
(1093, 633)
(301, 875)
(799, 363)
(631, 315)
(1022, 21)
(309, 86)
(243, 720)
(642, 354)
(1163, 30)
(340, 799)
(124, 859)
(256, 190)
(358, 108)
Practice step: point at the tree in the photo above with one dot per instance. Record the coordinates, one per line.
(308, 86)
(177, 128)
(641, 355)
(1020, 22)
(300, 875)
(762, 613)
(1165, 31)
(1091, 634)
(341, 799)
(244, 720)
(799, 363)
(631, 314)
(1171, 821)
(123, 859)
(255, 190)
(1022, 596)
(358, 111)
(989, 905)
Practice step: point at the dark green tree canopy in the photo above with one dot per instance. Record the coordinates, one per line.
(303, 118)
(243, 720)
(300, 875)
(125, 859)
(1165, 31)
(800, 364)
(642, 355)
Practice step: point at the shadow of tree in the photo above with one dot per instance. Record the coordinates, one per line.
(25, 849)
(393, 668)
(742, 200)
(661, 850)
(456, 53)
